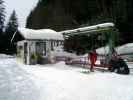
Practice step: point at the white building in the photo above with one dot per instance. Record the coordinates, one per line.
(37, 45)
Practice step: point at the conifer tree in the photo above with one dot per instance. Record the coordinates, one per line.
(2, 19)
(11, 28)
(2, 15)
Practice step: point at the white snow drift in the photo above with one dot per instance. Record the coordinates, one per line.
(123, 49)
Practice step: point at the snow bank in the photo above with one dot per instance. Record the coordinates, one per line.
(40, 34)
(124, 49)
(2, 56)
(103, 50)
(58, 51)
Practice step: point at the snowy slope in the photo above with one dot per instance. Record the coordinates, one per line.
(124, 49)
(60, 82)
(4, 56)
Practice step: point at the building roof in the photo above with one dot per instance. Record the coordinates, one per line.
(41, 34)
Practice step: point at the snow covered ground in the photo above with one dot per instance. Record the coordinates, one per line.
(61, 82)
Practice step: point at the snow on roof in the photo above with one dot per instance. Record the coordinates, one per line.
(124, 49)
(89, 28)
(47, 34)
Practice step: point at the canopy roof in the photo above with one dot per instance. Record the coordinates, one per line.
(89, 29)
(47, 34)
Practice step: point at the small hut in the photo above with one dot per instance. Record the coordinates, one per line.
(37, 45)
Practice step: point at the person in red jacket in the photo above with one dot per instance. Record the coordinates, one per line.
(92, 56)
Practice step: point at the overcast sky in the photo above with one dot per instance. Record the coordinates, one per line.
(22, 8)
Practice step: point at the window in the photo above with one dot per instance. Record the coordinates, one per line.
(52, 45)
(41, 48)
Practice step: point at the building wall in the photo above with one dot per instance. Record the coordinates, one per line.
(36, 49)
(20, 52)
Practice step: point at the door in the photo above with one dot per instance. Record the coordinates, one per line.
(25, 52)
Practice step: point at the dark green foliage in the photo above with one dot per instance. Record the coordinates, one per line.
(2, 15)
(11, 28)
(69, 14)
(2, 19)
(51, 15)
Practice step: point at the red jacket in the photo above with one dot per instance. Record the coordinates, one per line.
(93, 56)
